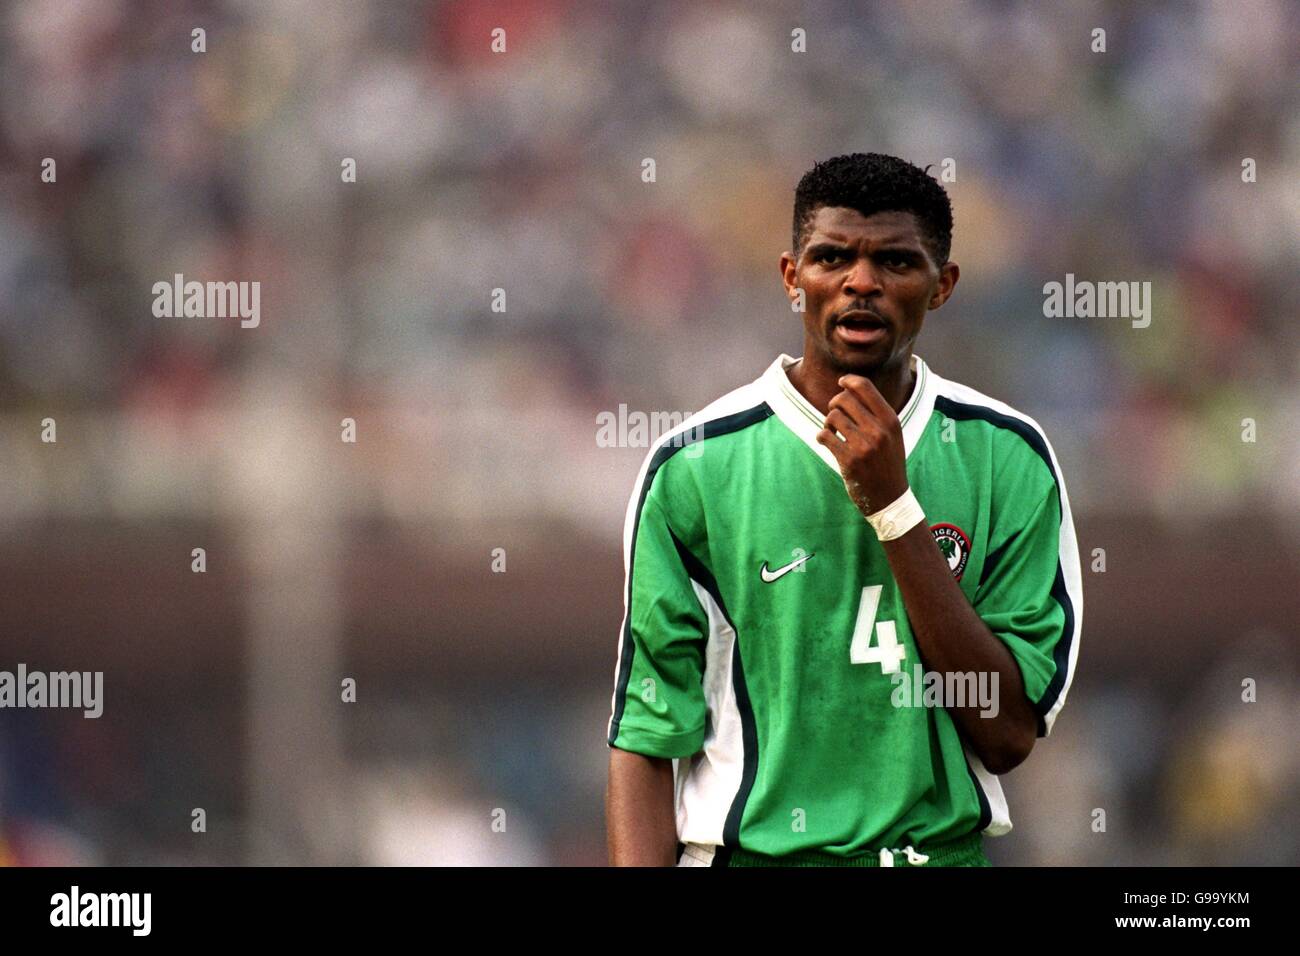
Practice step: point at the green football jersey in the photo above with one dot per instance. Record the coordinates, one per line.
(764, 635)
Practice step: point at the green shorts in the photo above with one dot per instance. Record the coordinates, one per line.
(965, 851)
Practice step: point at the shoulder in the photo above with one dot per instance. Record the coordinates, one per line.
(666, 469)
(737, 410)
(1016, 439)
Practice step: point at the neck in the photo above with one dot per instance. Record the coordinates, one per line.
(820, 383)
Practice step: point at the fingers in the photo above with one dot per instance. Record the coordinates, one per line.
(868, 395)
(852, 406)
(837, 420)
(856, 438)
(855, 422)
(839, 448)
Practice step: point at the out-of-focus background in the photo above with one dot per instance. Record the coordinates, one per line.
(477, 733)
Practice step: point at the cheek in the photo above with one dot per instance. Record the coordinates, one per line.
(820, 291)
(913, 295)
(814, 296)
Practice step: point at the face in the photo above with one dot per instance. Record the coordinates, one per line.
(868, 282)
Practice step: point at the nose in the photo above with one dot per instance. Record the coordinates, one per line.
(861, 278)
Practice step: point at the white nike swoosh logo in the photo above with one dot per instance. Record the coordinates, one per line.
(770, 576)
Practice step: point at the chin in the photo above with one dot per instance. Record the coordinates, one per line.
(865, 363)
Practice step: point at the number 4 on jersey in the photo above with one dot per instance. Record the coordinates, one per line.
(888, 653)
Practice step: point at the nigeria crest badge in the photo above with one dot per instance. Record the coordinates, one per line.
(953, 545)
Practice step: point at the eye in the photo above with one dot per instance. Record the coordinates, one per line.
(829, 256)
(897, 260)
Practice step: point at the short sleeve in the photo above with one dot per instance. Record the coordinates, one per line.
(1029, 596)
(659, 707)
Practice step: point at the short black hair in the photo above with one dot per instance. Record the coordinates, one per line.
(872, 183)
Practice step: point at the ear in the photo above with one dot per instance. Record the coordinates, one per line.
(949, 273)
(789, 267)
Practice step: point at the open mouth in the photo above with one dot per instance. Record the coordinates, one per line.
(860, 328)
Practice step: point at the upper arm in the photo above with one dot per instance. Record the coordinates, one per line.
(1030, 593)
(659, 707)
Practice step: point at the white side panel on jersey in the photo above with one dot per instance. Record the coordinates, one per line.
(737, 400)
(708, 786)
(1000, 815)
(1069, 547)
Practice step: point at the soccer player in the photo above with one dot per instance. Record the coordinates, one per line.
(797, 552)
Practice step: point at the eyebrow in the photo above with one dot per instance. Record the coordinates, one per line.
(823, 246)
(896, 244)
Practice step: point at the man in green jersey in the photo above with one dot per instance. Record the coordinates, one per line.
(823, 566)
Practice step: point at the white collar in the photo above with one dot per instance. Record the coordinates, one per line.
(799, 415)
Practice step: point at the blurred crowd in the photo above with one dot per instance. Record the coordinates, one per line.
(522, 171)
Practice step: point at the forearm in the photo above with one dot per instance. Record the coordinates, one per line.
(639, 810)
(951, 638)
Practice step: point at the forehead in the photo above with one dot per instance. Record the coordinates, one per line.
(841, 224)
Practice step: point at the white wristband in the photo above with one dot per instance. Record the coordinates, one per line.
(895, 520)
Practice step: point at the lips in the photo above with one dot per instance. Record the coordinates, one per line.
(860, 327)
